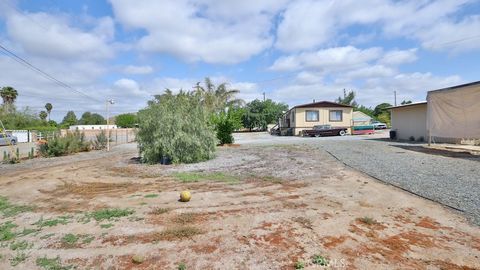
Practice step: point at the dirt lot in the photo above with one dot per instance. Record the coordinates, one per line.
(253, 207)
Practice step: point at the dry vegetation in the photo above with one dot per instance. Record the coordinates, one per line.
(278, 208)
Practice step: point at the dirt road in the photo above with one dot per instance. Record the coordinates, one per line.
(253, 207)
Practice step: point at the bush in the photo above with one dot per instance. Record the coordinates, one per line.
(60, 146)
(100, 141)
(175, 127)
(224, 126)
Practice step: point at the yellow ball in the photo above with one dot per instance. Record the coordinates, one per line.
(185, 196)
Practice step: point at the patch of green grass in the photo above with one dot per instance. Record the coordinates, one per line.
(27, 231)
(64, 220)
(70, 239)
(299, 265)
(9, 209)
(368, 220)
(143, 203)
(190, 177)
(159, 210)
(151, 196)
(47, 236)
(182, 266)
(19, 258)
(6, 232)
(108, 214)
(20, 245)
(106, 226)
(87, 239)
(51, 264)
(319, 260)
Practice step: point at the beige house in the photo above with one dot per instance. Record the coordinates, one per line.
(410, 121)
(307, 116)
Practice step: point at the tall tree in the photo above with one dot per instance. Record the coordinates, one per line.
(70, 119)
(49, 108)
(217, 98)
(348, 99)
(89, 118)
(9, 95)
(405, 102)
(380, 108)
(126, 120)
(258, 114)
(43, 115)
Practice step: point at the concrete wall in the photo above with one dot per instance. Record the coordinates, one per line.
(91, 127)
(324, 119)
(410, 121)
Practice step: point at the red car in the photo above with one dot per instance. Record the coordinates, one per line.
(325, 130)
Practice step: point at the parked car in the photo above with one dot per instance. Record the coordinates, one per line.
(325, 130)
(8, 140)
(379, 125)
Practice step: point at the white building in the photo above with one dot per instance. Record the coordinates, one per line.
(91, 127)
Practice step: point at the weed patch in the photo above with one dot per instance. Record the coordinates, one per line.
(46, 236)
(106, 226)
(190, 177)
(299, 265)
(151, 196)
(53, 222)
(6, 232)
(19, 258)
(159, 211)
(182, 266)
(20, 245)
(178, 233)
(185, 218)
(108, 214)
(319, 260)
(51, 264)
(9, 209)
(69, 240)
(368, 220)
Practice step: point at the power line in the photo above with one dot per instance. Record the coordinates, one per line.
(41, 72)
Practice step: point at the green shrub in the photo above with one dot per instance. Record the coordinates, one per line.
(60, 146)
(224, 126)
(100, 141)
(175, 127)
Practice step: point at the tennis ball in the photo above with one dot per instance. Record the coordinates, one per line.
(185, 196)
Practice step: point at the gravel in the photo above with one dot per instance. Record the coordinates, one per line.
(451, 181)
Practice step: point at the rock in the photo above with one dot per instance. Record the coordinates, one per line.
(138, 259)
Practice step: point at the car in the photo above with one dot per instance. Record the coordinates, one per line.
(379, 125)
(9, 139)
(324, 130)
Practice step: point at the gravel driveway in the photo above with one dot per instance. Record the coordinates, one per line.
(452, 181)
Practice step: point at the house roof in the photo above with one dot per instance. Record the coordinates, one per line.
(322, 104)
(457, 86)
(407, 105)
(361, 116)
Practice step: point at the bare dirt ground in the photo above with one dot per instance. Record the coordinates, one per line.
(253, 207)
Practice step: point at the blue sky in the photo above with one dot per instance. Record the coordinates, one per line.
(295, 51)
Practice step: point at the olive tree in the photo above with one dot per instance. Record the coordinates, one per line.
(176, 127)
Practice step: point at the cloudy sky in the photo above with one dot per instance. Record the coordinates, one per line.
(294, 51)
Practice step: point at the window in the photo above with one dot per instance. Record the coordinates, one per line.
(336, 116)
(311, 116)
(293, 117)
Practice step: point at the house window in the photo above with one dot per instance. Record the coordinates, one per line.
(336, 116)
(293, 117)
(311, 116)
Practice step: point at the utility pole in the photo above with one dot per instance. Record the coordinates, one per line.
(110, 101)
(395, 97)
(263, 96)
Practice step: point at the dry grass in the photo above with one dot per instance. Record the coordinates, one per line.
(175, 233)
(159, 210)
(185, 218)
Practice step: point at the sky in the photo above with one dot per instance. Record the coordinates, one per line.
(293, 51)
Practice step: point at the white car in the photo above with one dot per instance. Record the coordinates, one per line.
(379, 125)
(8, 140)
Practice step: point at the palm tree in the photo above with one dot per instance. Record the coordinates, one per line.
(43, 115)
(9, 95)
(49, 108)
(217, 98)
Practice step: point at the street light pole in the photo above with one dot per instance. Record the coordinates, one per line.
(110, 101)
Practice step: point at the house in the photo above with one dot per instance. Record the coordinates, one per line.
(91, 127)
(361, 119)
(409, 121)
(307, 116)
(449, 115)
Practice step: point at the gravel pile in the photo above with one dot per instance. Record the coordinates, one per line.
(452, 181)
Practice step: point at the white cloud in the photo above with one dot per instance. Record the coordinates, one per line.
(337, 58)
(310, 24)
(209, 31)
(44, 35)
(138, 69)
